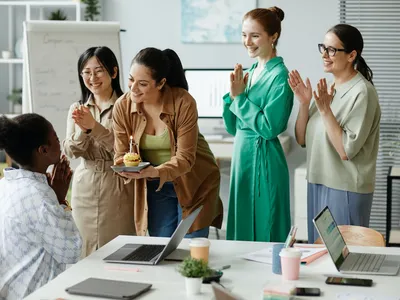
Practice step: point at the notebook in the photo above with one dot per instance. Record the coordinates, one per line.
(352, 262)
(151, 254)
(112, 289)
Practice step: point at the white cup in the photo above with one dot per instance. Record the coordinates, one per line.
(6, 54)
(200, 248)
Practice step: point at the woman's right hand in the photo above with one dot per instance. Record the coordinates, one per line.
(303, 91)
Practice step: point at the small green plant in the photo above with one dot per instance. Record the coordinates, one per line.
(194, 268)
(58, 15)
(16, 96)
(92, 9)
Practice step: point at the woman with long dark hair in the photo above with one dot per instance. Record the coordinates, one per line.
(161, 116)
(102, 204)
(340, 131)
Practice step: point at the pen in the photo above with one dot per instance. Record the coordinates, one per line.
(225, 267)
(289, 237)
(293, 237)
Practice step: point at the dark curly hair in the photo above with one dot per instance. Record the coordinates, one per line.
(22, 135)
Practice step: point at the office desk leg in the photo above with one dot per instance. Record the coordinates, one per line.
(388, 209)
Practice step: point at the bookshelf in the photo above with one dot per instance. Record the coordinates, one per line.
(15, 64)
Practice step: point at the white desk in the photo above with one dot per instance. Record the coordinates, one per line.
(246, 278)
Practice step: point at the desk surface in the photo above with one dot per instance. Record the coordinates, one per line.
(245, 278)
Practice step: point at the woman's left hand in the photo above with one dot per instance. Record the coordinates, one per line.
(83, 117)
(149, 172)
(324, 97)
(238, 81)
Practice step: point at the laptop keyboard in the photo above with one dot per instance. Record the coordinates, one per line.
(368, 262)
(145, 253)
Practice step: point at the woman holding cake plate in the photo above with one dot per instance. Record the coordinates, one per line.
(161, 116)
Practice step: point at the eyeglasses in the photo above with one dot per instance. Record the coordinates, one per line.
(97, 73)
(331, 51)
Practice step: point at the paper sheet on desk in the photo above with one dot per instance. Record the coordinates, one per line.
(354, 296)
(265, 255)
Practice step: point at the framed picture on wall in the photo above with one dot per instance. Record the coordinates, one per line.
(213, 21)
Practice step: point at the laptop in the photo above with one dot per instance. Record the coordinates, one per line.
(221, 293)
(153, 254)
(352, 262)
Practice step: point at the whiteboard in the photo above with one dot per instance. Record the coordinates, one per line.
(53, 49)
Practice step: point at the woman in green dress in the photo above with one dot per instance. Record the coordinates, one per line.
(256, 111)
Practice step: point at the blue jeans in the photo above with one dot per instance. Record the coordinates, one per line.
(164, 212)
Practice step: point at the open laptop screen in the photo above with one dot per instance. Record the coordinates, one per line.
(330, 234)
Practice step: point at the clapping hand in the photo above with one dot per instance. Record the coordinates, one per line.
(324, 97)
(238, 81)
(302, 91)
(60, 179)
(83, 118)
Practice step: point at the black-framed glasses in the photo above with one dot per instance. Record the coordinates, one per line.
(331, 51)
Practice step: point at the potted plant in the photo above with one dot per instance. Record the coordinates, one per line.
(57, 15)
(16, 98)
(193, 270)
(92, 9)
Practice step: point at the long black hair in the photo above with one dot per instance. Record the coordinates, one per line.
(163, 64)
(352, 39)
(22, 135)
(107, 58)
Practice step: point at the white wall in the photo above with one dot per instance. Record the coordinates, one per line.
(19, 18)
(157, 23)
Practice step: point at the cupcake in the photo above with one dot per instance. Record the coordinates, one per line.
(131, 159)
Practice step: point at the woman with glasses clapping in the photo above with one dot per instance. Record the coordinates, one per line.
(102, 205)
(340, 130)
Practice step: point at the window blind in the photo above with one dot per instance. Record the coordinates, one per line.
(379, 23)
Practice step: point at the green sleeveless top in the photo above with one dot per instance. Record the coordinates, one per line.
(155, 149)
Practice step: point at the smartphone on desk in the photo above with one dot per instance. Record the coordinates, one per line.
(349, 281)
(307, 291)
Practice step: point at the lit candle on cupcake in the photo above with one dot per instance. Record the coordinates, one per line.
(131, 159)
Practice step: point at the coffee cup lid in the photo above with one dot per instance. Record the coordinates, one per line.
(290, 252)
(199, 242)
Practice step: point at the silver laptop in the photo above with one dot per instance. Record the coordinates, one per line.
(352, 262)
(153, 254)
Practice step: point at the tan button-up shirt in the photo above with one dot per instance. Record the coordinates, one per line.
(192, 167)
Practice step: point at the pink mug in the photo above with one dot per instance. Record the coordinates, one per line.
(290, 261)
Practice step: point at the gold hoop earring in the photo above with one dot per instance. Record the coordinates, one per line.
(273, 46)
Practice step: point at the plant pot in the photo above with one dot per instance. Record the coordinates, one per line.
(193, 285)
(17, 109)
